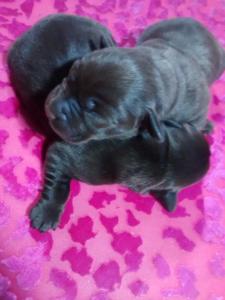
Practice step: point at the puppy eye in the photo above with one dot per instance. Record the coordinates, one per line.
(91, 104)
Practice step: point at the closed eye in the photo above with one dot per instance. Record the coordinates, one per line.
(91, 104)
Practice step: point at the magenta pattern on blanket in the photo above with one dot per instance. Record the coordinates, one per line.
(111, 243)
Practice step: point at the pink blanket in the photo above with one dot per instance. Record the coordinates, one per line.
(112, 244)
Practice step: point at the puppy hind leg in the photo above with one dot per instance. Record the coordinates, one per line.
(172, 123)
(207, 129)
(46, 213)
(167, 198)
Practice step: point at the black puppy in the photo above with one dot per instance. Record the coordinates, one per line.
(108, 92)
(110, 161)
(42, 57)
(160, 163)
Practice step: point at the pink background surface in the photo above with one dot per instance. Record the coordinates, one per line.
(112, 244)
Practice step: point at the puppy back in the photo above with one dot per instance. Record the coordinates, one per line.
(192, 38)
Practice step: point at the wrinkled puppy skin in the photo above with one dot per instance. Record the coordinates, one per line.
(108, 92)
(42, 57)
(161, 160)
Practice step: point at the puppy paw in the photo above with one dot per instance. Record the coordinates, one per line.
(167, 198)
(45, 216)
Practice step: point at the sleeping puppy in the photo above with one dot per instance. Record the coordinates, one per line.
(161, 160)
(108, 92)
(42, 57)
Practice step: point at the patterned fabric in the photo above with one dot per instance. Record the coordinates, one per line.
(112, 244)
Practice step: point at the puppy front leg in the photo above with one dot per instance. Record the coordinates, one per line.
(167, 198)
(46, 213)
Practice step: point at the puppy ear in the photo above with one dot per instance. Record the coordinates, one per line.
(92, 45)
(167, 198)
(106, 42)
(152, 126)
(103, 43)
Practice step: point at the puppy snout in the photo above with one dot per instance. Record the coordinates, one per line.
(62, 109)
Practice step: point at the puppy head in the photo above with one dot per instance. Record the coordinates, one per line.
(98, 99)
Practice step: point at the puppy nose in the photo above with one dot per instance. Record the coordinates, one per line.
(60, 110)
